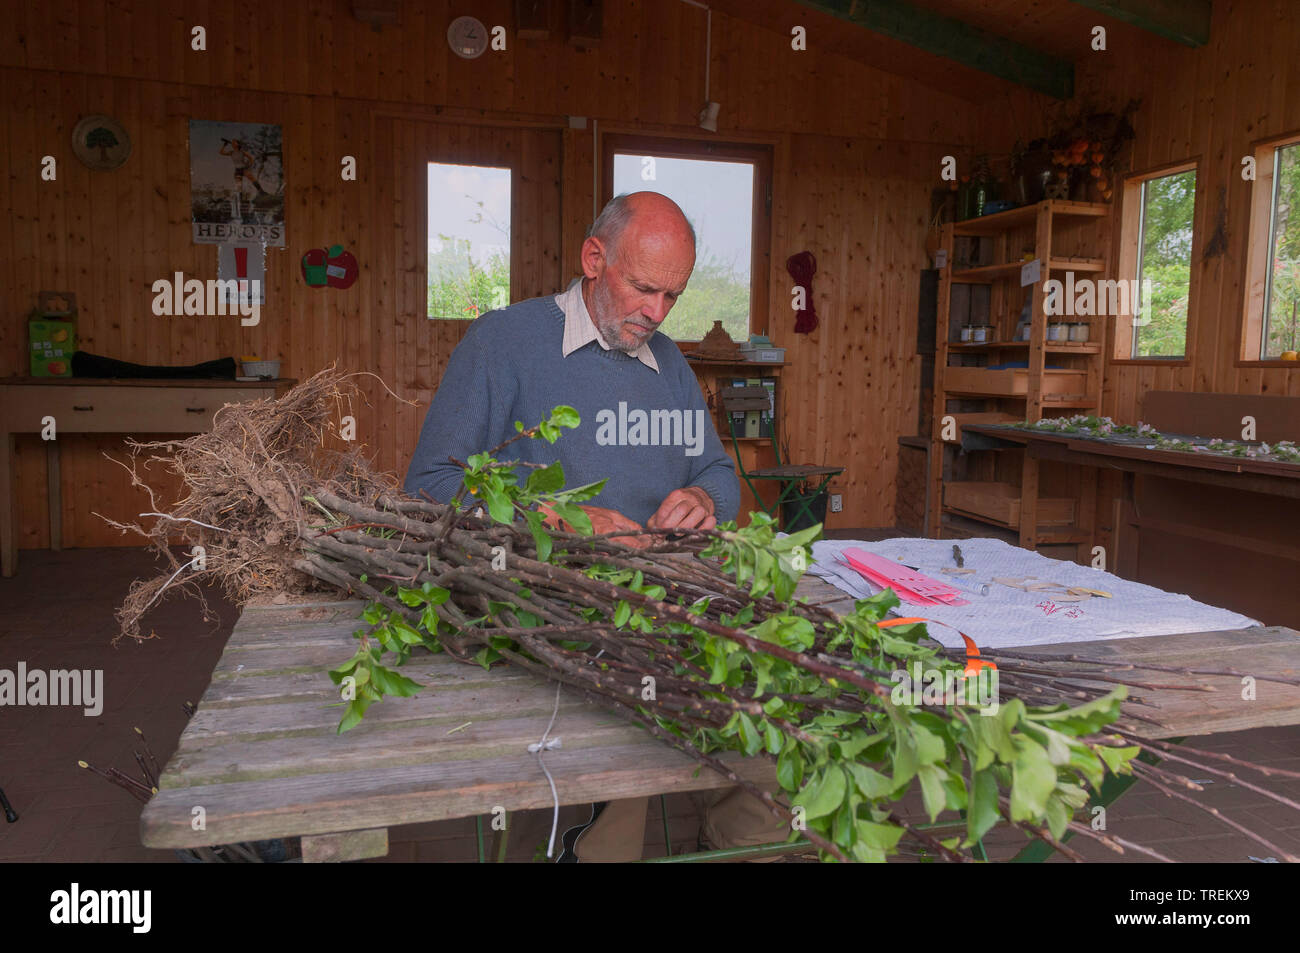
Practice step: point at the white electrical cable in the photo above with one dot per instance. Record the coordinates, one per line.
(543, 745)
(709, 34)
(708, 50)
(708, 41)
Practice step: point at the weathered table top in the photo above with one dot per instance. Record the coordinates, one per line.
(262, 758)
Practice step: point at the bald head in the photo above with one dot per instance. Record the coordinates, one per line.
(651, 212)
(638, 257)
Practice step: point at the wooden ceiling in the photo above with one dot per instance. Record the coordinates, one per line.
(978, 49)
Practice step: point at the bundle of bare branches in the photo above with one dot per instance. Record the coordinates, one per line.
(708, 619)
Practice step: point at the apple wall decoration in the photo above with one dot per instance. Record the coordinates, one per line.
(329, 266)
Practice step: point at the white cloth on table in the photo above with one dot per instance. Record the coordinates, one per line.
(1011, 617)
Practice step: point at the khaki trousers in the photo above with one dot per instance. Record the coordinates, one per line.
(732, 818)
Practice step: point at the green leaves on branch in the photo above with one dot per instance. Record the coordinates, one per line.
(851, 764)
(562, 416)
(756, 555)
(845, 753)
(496, 483)
(364, 681)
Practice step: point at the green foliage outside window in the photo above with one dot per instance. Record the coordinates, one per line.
(460, 287)
(1282, 315)
(716, 292)
(1166, 257)
(1168, 204)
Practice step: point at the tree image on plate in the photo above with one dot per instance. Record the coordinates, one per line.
(101, 139)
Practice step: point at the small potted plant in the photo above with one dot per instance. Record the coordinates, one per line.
(792, 520)
(977, 189)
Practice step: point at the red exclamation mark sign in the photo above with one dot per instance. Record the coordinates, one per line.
(241, 272)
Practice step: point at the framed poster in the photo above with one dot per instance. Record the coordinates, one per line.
(236, 183)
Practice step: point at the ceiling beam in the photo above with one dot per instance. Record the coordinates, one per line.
(955, 40)
(1183, 21)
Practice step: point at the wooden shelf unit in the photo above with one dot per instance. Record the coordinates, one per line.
(1051, 347)
(1027, 215)
(1011, 269)
(755, 451)
(1064, 236)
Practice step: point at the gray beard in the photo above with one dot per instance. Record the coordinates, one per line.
(599, 305)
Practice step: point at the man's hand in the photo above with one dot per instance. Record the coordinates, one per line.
(608, 521)
(603, 520)
(687, 508)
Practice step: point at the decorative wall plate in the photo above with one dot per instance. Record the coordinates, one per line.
(101, 142)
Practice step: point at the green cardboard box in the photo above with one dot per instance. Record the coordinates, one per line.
(52, 344)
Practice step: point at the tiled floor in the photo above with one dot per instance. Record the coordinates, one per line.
(58, 613)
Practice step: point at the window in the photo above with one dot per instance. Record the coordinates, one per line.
(725, 192)
(1156, 258)
(1272, 305)
(469, 240)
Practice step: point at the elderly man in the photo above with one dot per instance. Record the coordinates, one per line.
(645, 426)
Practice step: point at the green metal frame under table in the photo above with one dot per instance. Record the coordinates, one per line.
(791, 481)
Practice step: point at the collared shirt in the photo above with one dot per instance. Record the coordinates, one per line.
(580, 330)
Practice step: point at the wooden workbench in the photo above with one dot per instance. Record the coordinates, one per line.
(1220, 528)
(262, 758)
(1242, 473)
(103, 405)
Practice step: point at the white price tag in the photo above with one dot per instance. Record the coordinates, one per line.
(1030, 272)
(941, 258)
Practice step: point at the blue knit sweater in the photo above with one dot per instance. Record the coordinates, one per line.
(647, 433)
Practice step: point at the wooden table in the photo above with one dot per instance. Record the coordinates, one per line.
(262, 758)
(102, 405)
(1219, 528)
(1241, 473)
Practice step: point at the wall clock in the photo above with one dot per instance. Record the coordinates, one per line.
(467, 37)
(101, 142)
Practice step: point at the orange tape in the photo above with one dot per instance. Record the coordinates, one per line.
(973, 663)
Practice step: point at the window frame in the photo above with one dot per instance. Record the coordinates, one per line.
(757, 154)
(1131, 213)
(1259, 241)
(513, 291)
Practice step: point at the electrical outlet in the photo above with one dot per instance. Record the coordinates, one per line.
(837, 503)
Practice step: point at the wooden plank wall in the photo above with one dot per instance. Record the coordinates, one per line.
(855, 381)
(1208, 103)
(109, 245)
(856, 154)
